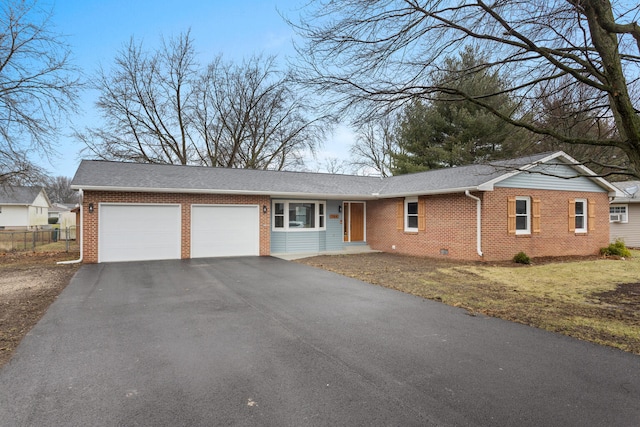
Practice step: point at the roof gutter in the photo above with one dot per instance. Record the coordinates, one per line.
(270, 193)
(425, 192)
(478, 221)
(76, 261)
(284, 194)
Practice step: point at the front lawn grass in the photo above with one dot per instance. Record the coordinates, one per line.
(595, 299)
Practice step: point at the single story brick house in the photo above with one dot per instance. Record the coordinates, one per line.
(133, 211)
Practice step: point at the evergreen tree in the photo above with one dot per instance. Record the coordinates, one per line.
(451, 131)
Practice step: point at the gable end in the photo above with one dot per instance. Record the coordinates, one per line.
(552, 177)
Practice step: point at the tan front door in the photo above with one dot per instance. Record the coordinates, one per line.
(353, 221)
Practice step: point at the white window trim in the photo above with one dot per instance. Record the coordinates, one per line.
(286, 216)
(528, 229)
(408, 200)
(274, 215)
(626, 212)
(585, 215)
(322, 215)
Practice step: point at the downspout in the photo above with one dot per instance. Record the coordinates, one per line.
(478, 221)
(75, 261)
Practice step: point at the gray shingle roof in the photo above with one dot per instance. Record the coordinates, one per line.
(18, 195)
(627, 188)
(94, 174)
(105, 175)
(456, 178)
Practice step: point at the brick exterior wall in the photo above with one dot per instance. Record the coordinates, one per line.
(450, 226)
(90, 220)
(554, 238)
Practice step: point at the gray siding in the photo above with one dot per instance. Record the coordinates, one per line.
(630, 231)
(298, 241)
(334, 226)
(544, 180)
(330, 239)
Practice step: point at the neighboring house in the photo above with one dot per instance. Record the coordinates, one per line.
(624, 214)
(66, 219)
(23, 207)
(133, 211)
(58, 210)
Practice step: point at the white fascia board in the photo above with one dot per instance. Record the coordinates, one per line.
(623, 200)
(619, 194)
(431, 193)
(44, 193)
(276, 194)
(322, 196)
(613, 190)
(273, 194)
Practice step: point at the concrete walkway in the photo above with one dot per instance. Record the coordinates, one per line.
(364, 249)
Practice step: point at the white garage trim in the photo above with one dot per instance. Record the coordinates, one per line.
(139, 231)
(225, 230)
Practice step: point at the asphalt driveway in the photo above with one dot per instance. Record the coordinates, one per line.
(262, 341)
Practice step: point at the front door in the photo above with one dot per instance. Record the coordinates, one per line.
(353, 221)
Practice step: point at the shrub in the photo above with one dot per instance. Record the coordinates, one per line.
(616, 249)
(53, 220)
(522, 258)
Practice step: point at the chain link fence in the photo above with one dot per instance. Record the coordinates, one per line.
(52, 239)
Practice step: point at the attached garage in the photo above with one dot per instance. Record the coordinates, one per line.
(138, 232)
(225, 230)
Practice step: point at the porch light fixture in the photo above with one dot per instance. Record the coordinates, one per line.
(90, 207)
(264, 209)
(339, 209)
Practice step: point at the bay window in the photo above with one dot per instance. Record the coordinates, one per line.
(292, 215)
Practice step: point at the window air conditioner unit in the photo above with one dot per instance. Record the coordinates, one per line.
(615, 218)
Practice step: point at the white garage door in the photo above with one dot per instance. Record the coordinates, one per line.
(130, 232)
(224, 230)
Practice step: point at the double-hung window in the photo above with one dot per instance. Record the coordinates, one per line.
(523, 215)
(298, 215)
(278, 215)
(411, 214)
(581, 215)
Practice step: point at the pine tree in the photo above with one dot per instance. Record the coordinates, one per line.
(450, 131)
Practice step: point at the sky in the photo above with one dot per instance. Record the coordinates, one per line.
(97, 29)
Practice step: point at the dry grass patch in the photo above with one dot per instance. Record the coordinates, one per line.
(29, 283)
(592, 299)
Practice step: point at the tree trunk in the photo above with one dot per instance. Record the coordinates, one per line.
(600, 16)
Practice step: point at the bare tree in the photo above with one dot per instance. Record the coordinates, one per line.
(250, 116)
(385, 52)
(38, 87)
(163, 107)
(145, 100)
(375, 147)
(59, 190)
(557, 111)
(334, 165)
